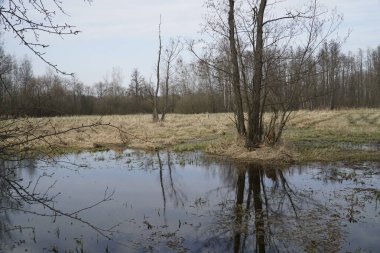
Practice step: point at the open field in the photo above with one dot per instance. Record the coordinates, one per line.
(350, 135)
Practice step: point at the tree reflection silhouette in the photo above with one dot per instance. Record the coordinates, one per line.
(254, 190)
(176, 196)
(268, 215)
(6, 201)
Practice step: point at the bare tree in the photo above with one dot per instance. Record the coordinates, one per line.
(239, 113)
(255, 111)
(6, 68)
(155, 95)
(29, 20)
(170, 55)
(258, 41)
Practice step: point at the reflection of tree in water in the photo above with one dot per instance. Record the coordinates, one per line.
(164, 237)
(8, 202)
(169, 184)
(259, 211)
(18, 194)
(30, 165)
(268, 215)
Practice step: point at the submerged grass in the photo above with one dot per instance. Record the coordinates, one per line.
(351, 135)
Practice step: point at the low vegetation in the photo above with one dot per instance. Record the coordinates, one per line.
(350, 135)
(336, 135)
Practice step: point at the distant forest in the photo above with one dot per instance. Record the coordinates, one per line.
(334, 80)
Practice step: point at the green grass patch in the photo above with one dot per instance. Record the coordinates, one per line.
(191, 146)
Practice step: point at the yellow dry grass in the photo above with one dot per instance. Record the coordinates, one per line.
(338, 120)
(139, 131)
(358, 126)
(216, 134)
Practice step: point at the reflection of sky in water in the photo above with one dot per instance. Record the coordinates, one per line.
(333, 184)
(190, 204)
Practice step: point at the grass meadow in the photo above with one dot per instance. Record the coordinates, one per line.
(321, 135)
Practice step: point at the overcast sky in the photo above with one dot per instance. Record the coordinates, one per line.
(123, 33)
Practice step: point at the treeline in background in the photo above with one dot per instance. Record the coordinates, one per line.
(334, 80)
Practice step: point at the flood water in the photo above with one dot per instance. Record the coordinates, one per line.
(167, 202)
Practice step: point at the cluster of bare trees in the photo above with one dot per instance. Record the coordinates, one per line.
(23, 93)
(266, 54)
(278, 60)
(331, 79)
(348, 80)
(259, 60)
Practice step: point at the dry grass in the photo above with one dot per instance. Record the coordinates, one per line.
(310, 135)
(335, 135)
(339, 123)
(138, 131)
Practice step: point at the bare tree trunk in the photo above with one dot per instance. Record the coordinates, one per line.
(155, 98)
(225, 96)
(171, 53)
(166, 106)
(235, 71)
(254, 127)
(244, 78)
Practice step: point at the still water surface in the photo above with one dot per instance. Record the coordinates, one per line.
(167, 202)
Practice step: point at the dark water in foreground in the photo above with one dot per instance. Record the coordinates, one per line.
(188, 203)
